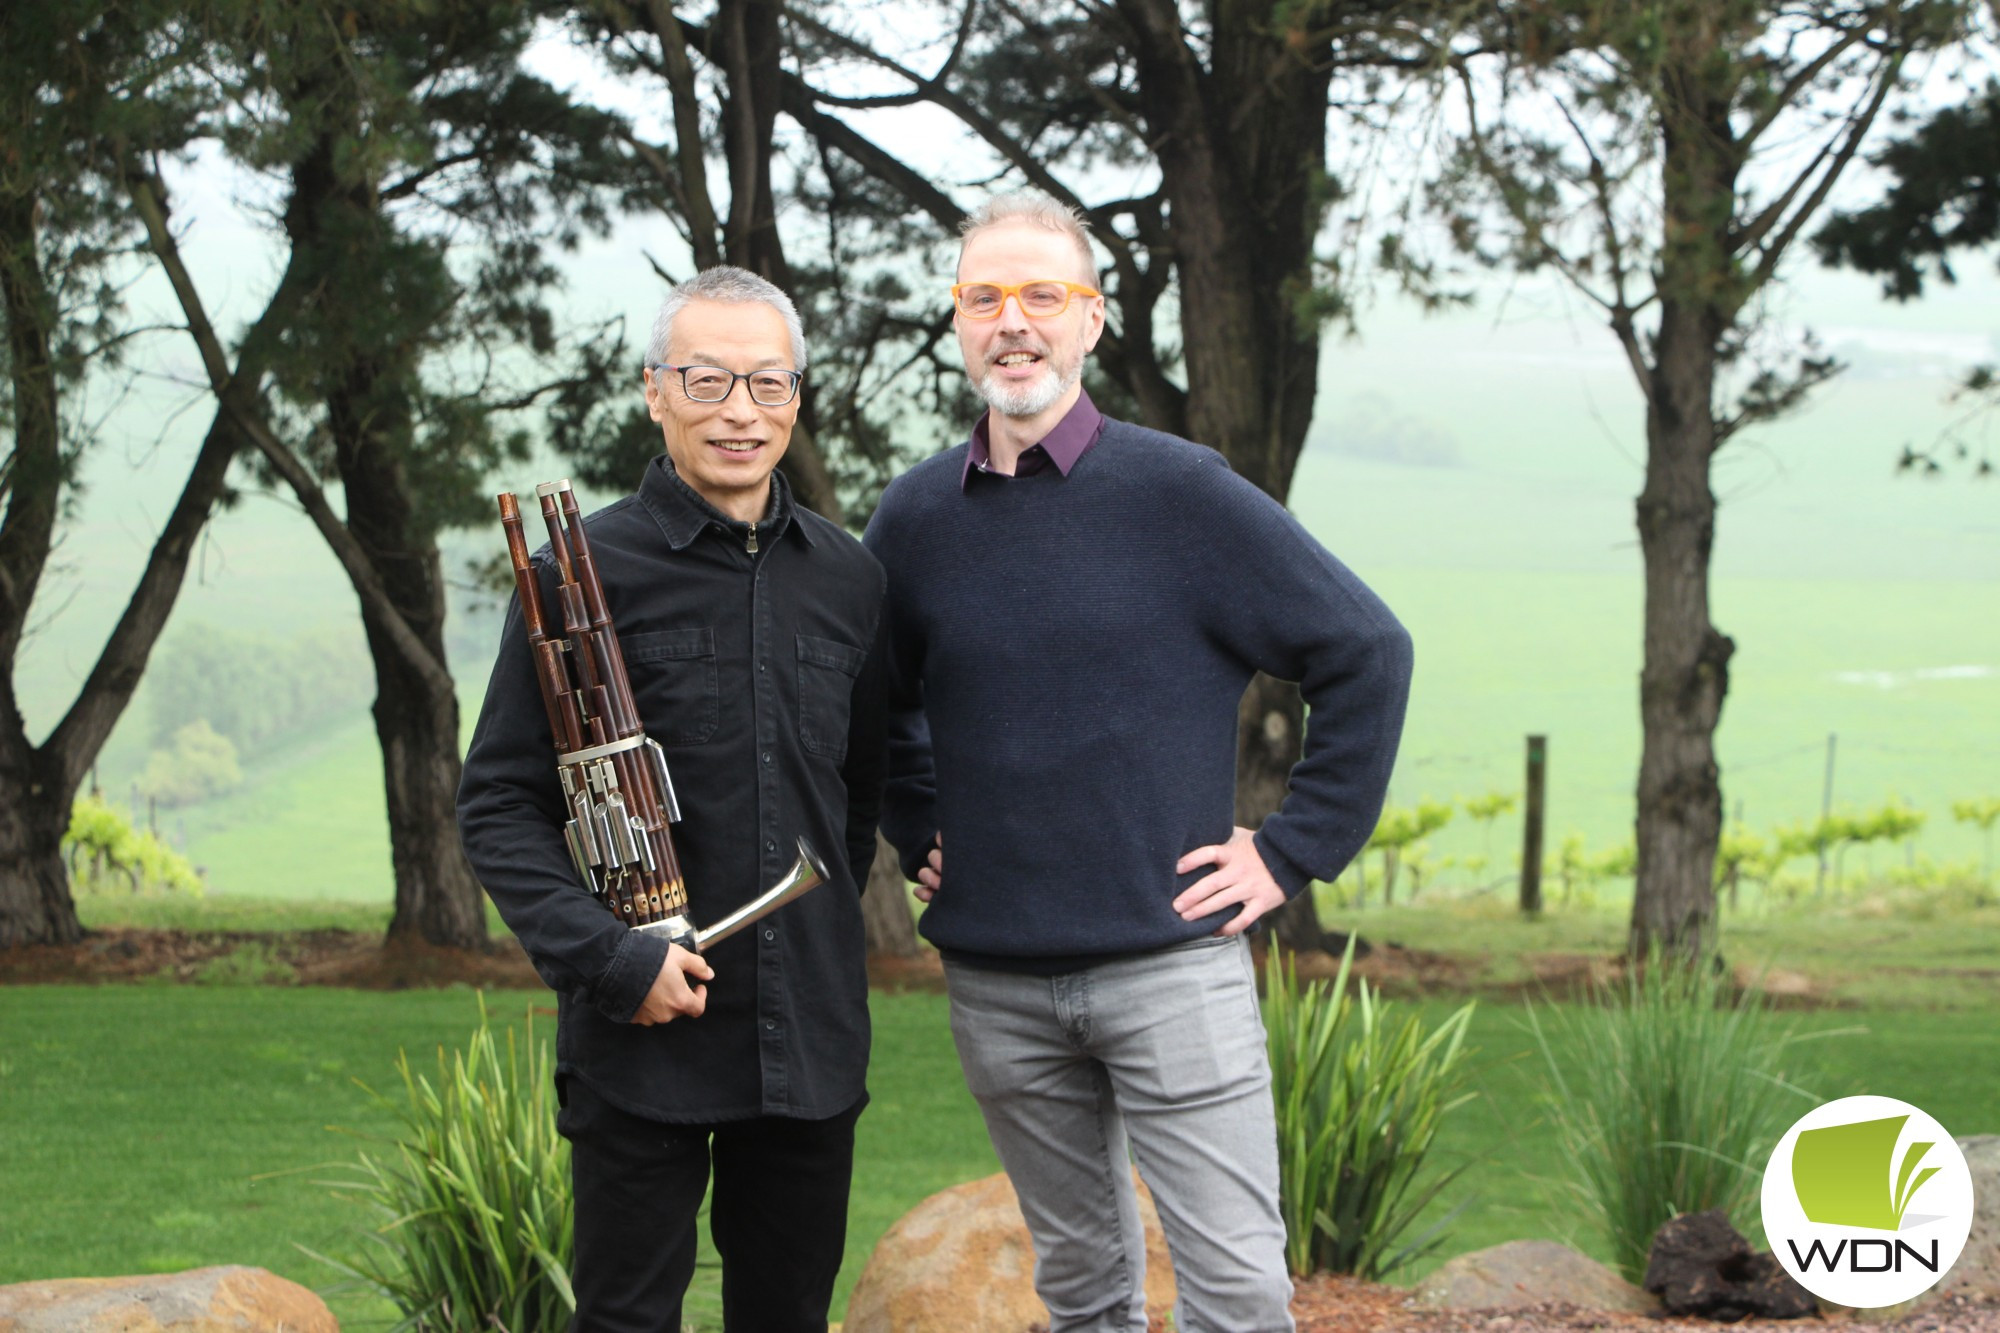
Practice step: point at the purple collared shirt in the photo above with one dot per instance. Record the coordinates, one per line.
(1070, 440)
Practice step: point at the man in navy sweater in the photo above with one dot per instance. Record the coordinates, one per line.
(1076, 605)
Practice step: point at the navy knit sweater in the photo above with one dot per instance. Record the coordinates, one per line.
(1078, 647)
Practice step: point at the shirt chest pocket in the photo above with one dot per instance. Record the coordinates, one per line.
(827, 668)
(673, 683)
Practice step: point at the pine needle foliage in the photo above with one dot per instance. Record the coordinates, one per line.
(473, 1197)
(1359, 1099)
(1684, 1099)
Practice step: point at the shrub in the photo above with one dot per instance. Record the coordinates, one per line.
(473, 1197)
(1359, 1099)
(1683, 1101)
(1982, 813)
(1578, 873)
(1397, 829)
(104, 851)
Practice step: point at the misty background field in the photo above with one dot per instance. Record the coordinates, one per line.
(1477, 468)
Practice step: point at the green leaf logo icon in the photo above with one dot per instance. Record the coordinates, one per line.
(1841, 1174)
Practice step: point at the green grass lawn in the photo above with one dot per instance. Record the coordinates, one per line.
(156, 1128)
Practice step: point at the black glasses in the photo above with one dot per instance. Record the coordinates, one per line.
(712, 384)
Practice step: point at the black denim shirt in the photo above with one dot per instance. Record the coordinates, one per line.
(761, 676)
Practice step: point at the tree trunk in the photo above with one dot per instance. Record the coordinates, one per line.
(1686, 670)
(1242, 160)
(33, 474)
(35, 902)
(35, 905)
(333, 221)
(885, 908)
(1270, 723)
(748, 46)
(437, 898)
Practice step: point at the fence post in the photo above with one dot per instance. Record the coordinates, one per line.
(1531, 827)
(1825, 813)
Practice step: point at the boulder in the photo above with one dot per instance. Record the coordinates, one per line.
(1976, 1275)
(203, 1300)
(1529, 1272)
(1700, 1265)
(962, 1262)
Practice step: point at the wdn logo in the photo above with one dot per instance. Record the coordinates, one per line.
(1852, 1170)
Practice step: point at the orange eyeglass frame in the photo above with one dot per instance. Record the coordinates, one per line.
(1070, 289)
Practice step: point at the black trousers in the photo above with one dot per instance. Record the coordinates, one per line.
(778, 1217)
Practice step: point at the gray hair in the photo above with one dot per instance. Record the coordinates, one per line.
(1034, 209)
(730, 286)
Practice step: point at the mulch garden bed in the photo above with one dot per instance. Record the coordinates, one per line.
(358, 959)
(1344, 1305)
(285, 958)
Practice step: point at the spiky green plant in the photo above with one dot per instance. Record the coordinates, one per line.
(1359, 1099)
(1685, 1098)
(472, 1198)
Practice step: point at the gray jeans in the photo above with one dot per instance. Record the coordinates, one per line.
(1164, 1052)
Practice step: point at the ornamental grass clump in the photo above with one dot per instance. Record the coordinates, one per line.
(1359, 1100)
(1682, 1098)
(473, 1196)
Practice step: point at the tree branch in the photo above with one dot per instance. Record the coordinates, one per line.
(1620, 310)
(1057, 55)
(1801, 80)
(663, 171)
(1858, 127)
(744, 169)
(409, 184)
(692, 166)
(236, 398)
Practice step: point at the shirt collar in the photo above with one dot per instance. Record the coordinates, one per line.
(1070, 439)
(682, 513)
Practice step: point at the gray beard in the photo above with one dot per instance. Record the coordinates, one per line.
(1028, 400)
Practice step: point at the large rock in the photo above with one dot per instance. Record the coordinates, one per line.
(1529, 1272)
(1977, 1272)
(204, 1300)
(962, 1262)
(1700, 1265)
(1976, 1275)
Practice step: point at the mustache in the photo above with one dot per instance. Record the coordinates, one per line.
(1010, 345)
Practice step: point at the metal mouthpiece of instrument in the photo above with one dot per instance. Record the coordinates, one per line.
(806, 874)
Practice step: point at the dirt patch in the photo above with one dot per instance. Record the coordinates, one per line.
(922, 971)
(1389, 967)
(278, 958)
(1343, 1305)
(359, 959)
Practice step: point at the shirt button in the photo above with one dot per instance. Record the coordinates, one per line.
(760, 668)
(770, 934)
(770, 844)
(770, 1025)
(767, 756)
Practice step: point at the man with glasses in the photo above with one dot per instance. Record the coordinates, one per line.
(749, 629)
(1076, 605)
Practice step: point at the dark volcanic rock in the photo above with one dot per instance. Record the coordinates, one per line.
(1701, 1266)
